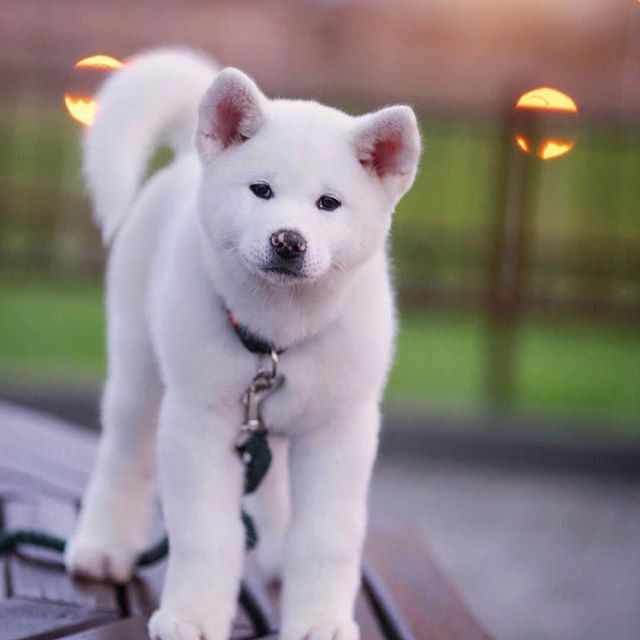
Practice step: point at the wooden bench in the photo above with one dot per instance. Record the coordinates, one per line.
(44, 464)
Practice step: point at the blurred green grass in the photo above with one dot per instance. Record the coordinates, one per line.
(562, 368)
(50, 328)
(53, 329)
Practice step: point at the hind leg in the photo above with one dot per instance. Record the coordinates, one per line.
(114, 520)
(113, 524)
(270, 508)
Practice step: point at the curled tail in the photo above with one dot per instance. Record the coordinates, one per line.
(152, 101)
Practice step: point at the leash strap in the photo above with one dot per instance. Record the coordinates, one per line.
(251, 341)
(252, 447)
(252, 444)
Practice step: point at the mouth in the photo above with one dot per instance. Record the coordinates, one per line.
(278, 274)
(282, 275)
(285, 271)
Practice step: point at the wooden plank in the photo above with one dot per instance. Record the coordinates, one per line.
(4, 577)
(5, 590)
(74, 446)
(144, 589)
(369, 626)
(23, 619)
(431, 607)
(41, 466)
(126, 629)
(391, 622)
(256, 589)
(20, 483)
(4, 584)
(38, 573)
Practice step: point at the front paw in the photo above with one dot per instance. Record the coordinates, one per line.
(91, 557)
(166, 624)
(326, 630)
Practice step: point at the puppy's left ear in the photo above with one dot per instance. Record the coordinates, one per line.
(231, 111)
(388, 146)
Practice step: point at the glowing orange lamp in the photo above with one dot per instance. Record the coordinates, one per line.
(84, 108)
(550, 101)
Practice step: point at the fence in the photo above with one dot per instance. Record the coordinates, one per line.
(487, 226)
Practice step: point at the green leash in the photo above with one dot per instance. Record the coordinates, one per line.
(255, 455)
(10, 540)
(252, 448)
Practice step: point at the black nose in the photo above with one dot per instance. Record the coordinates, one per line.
(288, 244)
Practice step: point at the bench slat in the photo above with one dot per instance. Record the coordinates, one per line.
(43, 468)
(39, 573)
(26, 619)
(126, 629)
(369, 626)
(40, 469)
(73, 447)
(431, 606)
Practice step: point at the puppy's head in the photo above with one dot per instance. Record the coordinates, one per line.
(293, 191)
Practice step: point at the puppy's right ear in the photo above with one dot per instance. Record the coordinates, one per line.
(231, 111)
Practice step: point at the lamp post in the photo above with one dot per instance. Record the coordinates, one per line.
(523, 148)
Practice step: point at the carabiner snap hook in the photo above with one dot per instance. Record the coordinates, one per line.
(275, 359)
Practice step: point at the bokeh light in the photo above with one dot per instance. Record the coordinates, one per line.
(551, 101)
(84, 108)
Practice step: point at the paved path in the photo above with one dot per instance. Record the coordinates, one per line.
(538, 555)
(44, 464)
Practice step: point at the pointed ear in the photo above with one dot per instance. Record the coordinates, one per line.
(231, 111)
(388, 146)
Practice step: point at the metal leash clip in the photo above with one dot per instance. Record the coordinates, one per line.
(262, 386)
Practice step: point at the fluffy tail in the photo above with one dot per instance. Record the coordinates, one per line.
(152, 101)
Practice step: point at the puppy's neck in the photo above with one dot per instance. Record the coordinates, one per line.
(282, 315)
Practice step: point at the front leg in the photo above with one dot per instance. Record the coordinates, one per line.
(201, 481)
(330, 472)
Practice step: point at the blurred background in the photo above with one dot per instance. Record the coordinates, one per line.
(516, 389)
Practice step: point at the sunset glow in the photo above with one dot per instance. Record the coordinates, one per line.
(99, 61)
(548, 100)
(83, 109)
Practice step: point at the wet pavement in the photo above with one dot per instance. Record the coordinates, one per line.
(537, 555)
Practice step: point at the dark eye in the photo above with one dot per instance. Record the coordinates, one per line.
(262, 190)
(328, 203)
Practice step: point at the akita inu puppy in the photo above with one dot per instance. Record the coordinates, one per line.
(278, 212)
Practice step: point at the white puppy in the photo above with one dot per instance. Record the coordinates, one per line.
(279, 213)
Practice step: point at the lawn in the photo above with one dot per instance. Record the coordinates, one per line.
(567, 369)
(53, 330)
(50, 329)
(587, 239)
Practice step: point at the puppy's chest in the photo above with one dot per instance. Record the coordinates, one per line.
(300, 403)
(307, 397)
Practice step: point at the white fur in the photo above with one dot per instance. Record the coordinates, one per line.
(193, 237)
(153, 103)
